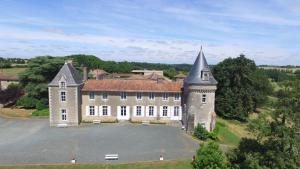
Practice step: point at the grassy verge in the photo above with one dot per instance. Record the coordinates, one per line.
(174, 164)
(12, 71)
(44, 112)
(16, 112)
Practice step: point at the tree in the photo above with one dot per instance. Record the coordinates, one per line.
(278, 136)
(209, 156)
(241, 87)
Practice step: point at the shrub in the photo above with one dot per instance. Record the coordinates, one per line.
(40, 105)
(201, 133)
(27, 102)
(44, 112)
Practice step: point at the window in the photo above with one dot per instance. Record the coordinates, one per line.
(92, 95)
(92, 110)
(176, 111)
(63, 85)
(165, 96)
(123, 110)
(63, 96)
(151, 110)
(205, 75)
(104, 96)
(63, 114)
(177, 96)
(104, 110)
(138, 110)
(151, 96)
(165, 111)
(139, 96)
(123, 95)
(203, 98)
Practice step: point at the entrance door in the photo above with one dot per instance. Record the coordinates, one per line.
(123, 113)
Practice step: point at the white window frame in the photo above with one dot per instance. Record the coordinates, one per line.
(63, 98)
(123, 95)
(177, 98)
(92, 94)
(63, 113)
(104, 94)
(90, 110)
(138, 111)
(176, 111)
(62, 84)
(165, 96)
(139, 95)
(103, 108)
(123, 110)
(149, 111)
(151, 96)
(204, 98)
(165, 111)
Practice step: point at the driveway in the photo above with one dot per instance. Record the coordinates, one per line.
(32, 141)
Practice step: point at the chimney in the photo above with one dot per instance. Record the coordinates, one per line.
(85, 73)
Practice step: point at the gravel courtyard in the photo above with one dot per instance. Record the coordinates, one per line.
(32, 141)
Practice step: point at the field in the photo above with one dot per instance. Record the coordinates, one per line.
(174, 164)
(15, 112)
(12, 71)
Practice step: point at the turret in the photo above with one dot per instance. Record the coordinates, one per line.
(199, 95)
(65, 97)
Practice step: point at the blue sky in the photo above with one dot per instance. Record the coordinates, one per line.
(267, 31)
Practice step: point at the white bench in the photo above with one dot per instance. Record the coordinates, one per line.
(111, 157)
(97, 121)
(62, 125)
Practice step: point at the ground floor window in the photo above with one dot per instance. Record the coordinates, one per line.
(92, 110)
(151, 110)
(176, 111)
(138, 110)
(165, 111)
(63, 114)
(104, 110)
(123, 110)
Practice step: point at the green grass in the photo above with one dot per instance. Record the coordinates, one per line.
(12, 71)
(225, 135)
(44, 112)
(174, 164)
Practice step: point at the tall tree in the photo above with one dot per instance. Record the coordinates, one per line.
(241, 87)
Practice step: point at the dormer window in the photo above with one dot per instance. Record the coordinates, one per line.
(205, 75)
(62, 85)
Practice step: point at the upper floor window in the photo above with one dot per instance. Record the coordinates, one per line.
(151, 111)
(63, 114)
(205, 75)
(104, 96)
(203, 98)
(92, 95)
(123, 95)
(177, 96)
(176, 111)
(104, 110)
(138, 110)
(62, 85)
(165, 96)
(165, 111)
(63, 96)
(151, 96)
(92, 110)
(139, 96)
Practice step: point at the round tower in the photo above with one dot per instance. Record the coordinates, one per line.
(199, 96)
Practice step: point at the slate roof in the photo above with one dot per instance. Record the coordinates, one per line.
(131, 85)
(200, 65)
(72, 76)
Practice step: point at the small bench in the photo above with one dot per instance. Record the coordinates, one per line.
(62, 125)
(111, 157)
(97, 121)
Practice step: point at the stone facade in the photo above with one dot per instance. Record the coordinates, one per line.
(72, 100)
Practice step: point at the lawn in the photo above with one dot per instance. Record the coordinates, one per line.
(174, 164)
(12, 71)
(15, 112)
(44, 112)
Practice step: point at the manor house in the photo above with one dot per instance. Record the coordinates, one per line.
(74, 99)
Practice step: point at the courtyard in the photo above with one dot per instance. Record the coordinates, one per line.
(32, 141)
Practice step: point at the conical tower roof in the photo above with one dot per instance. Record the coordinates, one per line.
(200, 66)
(71, 75)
